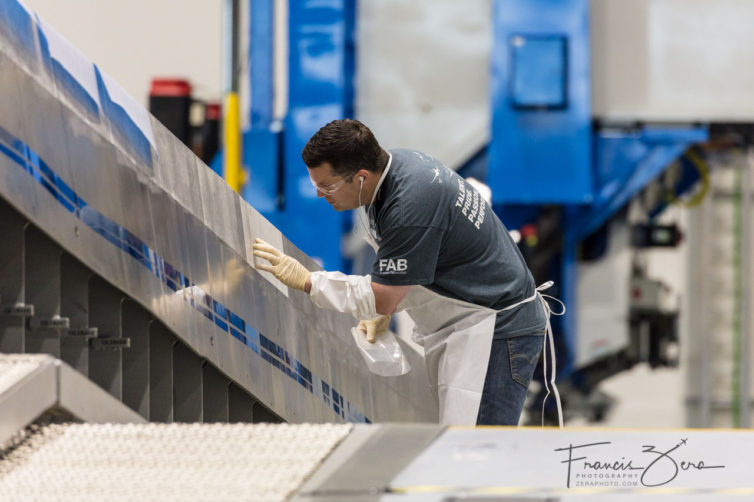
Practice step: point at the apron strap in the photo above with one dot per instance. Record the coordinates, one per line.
(541, 287)
(548, 338)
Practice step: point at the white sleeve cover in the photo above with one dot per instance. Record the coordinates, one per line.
(344, 293)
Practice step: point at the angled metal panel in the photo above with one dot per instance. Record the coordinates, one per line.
(86, 401)
(28, 390)
(136, 228)
(31, 385)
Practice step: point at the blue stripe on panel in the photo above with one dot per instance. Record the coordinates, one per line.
(274, 354)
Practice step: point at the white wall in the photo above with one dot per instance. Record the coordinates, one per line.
(136, 40)
(673, 60)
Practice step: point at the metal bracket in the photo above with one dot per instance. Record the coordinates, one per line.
(83, 332)
(17, 310)
(110, 343)
(55, 322)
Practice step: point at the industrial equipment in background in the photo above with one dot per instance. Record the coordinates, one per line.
(534, 107)
(127, 295)
(170, 102)
(194, 122)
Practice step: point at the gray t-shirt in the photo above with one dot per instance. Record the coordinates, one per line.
(435, 230)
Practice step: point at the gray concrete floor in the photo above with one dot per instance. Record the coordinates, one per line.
(645, 398)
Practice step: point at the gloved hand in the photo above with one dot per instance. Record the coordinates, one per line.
(371, 328)
(286, 269)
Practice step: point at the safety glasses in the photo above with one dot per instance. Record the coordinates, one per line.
(333, 187)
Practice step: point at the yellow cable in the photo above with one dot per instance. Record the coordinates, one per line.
(703, 170)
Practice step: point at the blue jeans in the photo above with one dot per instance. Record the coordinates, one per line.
(511, 366)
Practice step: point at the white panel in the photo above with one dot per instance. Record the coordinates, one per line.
(602, 291)
(423, 75)
(540, 464)
(673, 60)
(255, 225)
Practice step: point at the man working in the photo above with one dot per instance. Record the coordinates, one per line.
(443, 256)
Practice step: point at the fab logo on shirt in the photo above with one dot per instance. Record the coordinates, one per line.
(391, 266)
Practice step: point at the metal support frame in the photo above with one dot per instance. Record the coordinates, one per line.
(187, 385)
(42, 384)
(698, 398)
(215, 395)
(136, 324)
(111, 338)
(74, 304)
(240, 405)
(161, 343)
(12, 280)
(105, 312)
(718, 362)
(42, 290)
(747, 275)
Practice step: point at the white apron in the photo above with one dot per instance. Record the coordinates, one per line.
(457, 339)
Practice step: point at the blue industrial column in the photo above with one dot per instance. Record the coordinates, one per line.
(544, 152)
(320, 76)
(260, 142)
(540, 151)
(317, 94)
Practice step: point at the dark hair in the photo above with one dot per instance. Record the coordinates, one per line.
(347, 145)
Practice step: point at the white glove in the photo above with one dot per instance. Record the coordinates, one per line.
(286, 269)
(372, 327)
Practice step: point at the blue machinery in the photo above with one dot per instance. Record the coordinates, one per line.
(320, 90)
(545, 151)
